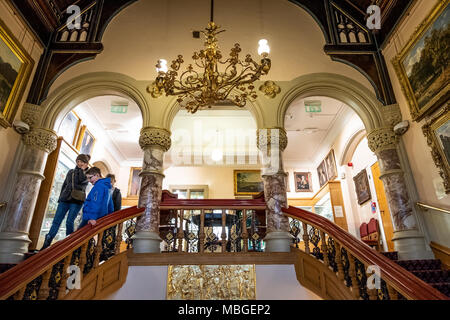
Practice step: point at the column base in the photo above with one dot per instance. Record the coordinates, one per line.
(13, 246)
(410, 245)
(146, 242)
(278, 241)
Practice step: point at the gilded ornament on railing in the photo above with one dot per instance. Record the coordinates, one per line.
(225, 282)
(346, 267)
(90, 256)
(314, 238)
(270, 89)
(55, 280)
(108, 244)
(32, 289)
(331, 252)
(361, 279)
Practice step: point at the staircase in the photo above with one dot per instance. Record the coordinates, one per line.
(430, 271)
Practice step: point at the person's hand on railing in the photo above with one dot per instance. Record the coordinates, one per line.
(92, 222)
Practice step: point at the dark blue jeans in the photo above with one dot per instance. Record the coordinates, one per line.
(61, 211)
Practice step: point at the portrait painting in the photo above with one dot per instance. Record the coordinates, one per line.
(322, 173)
(362, 187)
(303, 182)
(69, 128)
(15, 68)
(331, 166)
(134, 184)
(87, 143)
(247, 182)
(423, 65)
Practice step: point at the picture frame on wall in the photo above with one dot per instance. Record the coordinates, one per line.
(322, 173)
(69, 128)
(247, 182)
(330, 162)
(362, 187)
(134, 183)
(422, 66)
(303, 182)
(15, 70)
(437, 132)
(86, 141)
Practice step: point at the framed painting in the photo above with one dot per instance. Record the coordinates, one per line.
(322, 173)
(247, 182)
(362, 187)
(86, 141)
(303, 182)
(330, 163)
(134, 184)
(69, 128)
(15, 69)
(437, 131)
(423, 65)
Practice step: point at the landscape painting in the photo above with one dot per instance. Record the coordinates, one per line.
(247, 182)
(9, 71)
(423, 65)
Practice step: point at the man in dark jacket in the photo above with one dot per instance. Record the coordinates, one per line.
(116, 195)
(99, 201)
(75, 179)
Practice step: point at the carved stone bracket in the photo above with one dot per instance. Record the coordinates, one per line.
(41, 138)
(391, 114)
(382, 139)
(31, 114)
(265, 136)
(151, 136)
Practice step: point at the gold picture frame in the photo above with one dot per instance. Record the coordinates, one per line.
(86, 141)
(423, 80)
(247, 182)
(134, 183)
(437, 132)
(15, 70)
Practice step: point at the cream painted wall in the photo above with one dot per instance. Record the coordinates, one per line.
(425, 173)
(9, 139)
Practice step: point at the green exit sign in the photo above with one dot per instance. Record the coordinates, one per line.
(119, 109)
(313, 106)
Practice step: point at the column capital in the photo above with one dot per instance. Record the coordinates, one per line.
(152, 136)
(264, 138)
(42, 139)
(382, 139)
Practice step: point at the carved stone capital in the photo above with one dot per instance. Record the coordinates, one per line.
(151, 136)
(391, 115)
(268, 138)
(31, 114)
(41, 138)
(382, 139)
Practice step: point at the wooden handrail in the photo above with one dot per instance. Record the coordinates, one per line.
(427, 206)
(11, 280)
(403, 281)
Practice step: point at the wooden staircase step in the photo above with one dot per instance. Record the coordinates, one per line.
(420, 265)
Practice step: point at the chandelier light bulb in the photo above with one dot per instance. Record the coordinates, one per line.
(263, 47)
(162, 66)
(217, 155)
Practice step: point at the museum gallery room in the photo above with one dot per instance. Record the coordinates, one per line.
(224, 150)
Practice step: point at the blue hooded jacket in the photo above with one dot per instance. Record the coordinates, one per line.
(99, 201)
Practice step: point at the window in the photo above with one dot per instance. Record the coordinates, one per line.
(190, 191)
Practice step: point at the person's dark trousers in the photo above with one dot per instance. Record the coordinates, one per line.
(82, 224)
(61, 211)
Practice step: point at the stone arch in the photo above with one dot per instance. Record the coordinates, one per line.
(173, 108)
(103, 166)
(338, 87)
(77, 90)
(351, 145)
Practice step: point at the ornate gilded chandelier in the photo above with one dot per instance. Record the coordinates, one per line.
(198, 90)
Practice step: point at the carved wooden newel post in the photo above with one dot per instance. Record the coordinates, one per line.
(271, 143)
(155, 142)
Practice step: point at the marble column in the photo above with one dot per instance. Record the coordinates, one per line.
(408, 240)
(14, 241)
(271, 144)
(154, 142)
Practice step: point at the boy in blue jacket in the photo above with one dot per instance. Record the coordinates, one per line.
(99, 201)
